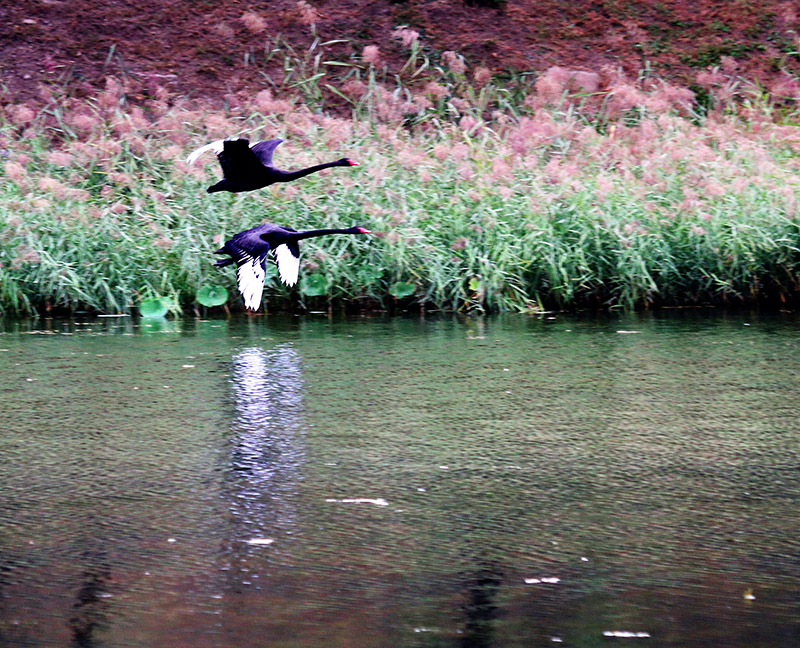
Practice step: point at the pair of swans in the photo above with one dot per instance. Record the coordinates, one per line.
(247, 167)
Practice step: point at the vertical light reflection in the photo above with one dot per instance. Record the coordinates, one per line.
(267, 448)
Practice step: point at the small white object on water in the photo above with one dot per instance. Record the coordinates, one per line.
(379, 501)
(584, 559)
(627, 332)
(421, 490)
(626, 634)
(261, 542)
(187, 366)
(749, 596)
(550, 580)
(171, 540)
(556, 639)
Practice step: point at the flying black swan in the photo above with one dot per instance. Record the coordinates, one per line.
(246, 167)
(249, 250)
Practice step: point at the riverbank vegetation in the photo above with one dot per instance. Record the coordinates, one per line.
(557, 190)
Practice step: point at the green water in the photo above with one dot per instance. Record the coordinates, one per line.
(646, 467)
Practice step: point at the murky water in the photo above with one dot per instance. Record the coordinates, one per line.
(373, 482)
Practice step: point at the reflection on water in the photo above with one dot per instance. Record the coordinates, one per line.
(546, 480)
(480, 609)
(266, 444)
(90, 609)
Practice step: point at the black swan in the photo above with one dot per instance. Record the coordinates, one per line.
(249, 250)
(246, 166)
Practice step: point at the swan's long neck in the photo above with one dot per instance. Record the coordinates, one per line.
(320, 232)
(288, 176)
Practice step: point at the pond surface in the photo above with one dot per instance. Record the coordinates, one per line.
(375, 482)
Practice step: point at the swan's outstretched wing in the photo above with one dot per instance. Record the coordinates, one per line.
(288, 257)
(214, 146)
(250, 278)
(264, 150)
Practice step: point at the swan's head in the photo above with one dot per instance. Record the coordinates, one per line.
(360, 230)
(347, 162)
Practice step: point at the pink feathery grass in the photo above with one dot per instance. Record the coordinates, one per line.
(60, 158)
(253, 22)
(436, 90)
(21, 115)
(224, 31)
(308, 13)
(465, 172)
(52, 186)
(410, 158)
(112, 97)
(354, 88)
(371, 55)
(408, 36)
(84, 123)
(501, 170)
(14, 171)
(441, 152)
(454, 62)
(459, 151)
(469, 124)
(550, 86)
(481, 76)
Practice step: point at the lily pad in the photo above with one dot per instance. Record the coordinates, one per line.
(154, 307)
(211, 295)
(402, 289)
(314, 285)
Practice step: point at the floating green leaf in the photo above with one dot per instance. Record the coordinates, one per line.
(154, 307)
(402, 289)
(369, 275)
(211, 295)
(314, 285)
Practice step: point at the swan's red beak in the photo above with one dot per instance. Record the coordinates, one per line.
(352, 162)
(364, 230)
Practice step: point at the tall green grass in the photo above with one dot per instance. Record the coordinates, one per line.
(485, 194)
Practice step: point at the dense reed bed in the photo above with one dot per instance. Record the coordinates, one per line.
(561, 190)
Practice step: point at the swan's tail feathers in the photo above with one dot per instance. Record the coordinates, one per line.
(214, 146)
(222, 185)
(250, 277)
(288, 262)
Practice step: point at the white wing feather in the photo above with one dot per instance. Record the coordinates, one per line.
(288, 265)
(250, 276)
(214, 146)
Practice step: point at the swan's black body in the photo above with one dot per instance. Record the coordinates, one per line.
(249, 249)
(246, 167)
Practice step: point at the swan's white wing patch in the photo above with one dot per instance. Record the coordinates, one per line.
(288, 265)
(214, 146)
(250, 277)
